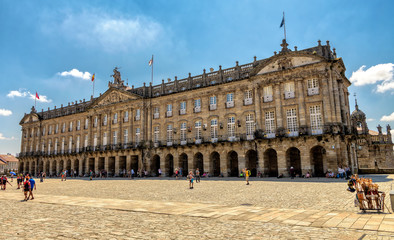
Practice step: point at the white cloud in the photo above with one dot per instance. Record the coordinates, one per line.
(388, 118)
(5, 138)
(77, 74)
(370, 119)
(24, 93)
(5, 112)
(383, 74)
(110, 32)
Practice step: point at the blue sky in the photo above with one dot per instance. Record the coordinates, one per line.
(42, 41)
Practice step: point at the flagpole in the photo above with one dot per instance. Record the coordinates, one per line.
(150, 105)
(152, 70)
(35, 100)
(93, 89)
(284, 24)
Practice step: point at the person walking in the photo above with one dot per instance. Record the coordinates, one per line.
(198, 178)
(26, 188)
(190, 177)
(32, 186)
(247, 174)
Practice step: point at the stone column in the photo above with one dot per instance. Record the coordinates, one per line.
(96, 163)
(282, 166)
(326, 108)
(301, 103)
(106, 163)
(331, 95)
(116, 166)
(128, 163)
(306, 164)
(223, 163)
(80, 170)
(257, 107)
(260, 159)
(241, 162)
(278, 105)
(51, 167)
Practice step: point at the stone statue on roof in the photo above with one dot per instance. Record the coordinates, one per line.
(116, 75)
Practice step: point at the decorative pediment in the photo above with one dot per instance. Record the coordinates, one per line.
(286, 61)
(113, 96)
(30, 118)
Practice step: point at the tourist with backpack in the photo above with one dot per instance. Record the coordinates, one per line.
(26, 188)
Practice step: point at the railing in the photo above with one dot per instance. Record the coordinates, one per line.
(313, 91)
(268, 98)
(230, 104)
(248, 101)
(289, 95)
(212, 107)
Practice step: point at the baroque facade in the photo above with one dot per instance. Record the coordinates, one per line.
(290, 109)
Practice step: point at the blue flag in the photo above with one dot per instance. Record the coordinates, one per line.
(283, 22)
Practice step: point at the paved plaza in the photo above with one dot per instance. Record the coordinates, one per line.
(215, 209)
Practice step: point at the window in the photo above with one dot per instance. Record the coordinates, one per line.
(169, 110)
(50, 129)
(105, 120)
(169, 134)
(212, 103)
(115, 138)
(86, 123)
(270, 124)
(316, 119)
(267, 91)
(156, 112)
(197, 126)
(70, 127)
(249, 126)
(42, 147)
(214, 130)
(55, 147)
(229, 100)
(78, 125)
(289, 90)
(62, 149)
(197, 105)
(125, 136)
(95, 141)
(126, 116)
(86, 141)
(156, 133)
(70, 144)
(313, 87)
(137, 114)
(43, 131)
(57, 128)
(115, 118)
(64, 127)
(77, 144)
(95, 121)
(183, 133)
(292, 125)
(183, 108)
(49, 146)
(231, 128)
(36, 147)
(248, 97)
(137, 136)
(105, 139)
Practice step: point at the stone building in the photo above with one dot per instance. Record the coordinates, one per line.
(8, 163)
(290, 109)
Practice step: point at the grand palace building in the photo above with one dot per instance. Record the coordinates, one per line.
(288, 110)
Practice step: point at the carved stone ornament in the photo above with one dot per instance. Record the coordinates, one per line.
(285, 63)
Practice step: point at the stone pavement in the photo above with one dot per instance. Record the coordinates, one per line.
(382, 222)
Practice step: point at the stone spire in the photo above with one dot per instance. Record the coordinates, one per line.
(284, 46)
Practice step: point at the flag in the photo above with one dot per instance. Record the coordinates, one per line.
(37, 96)
(151, 61)
(93, 77)
(283, 22)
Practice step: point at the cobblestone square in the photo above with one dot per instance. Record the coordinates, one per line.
(217, 208)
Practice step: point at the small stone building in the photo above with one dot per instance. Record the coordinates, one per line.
(288, 110)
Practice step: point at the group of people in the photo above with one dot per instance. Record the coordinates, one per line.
(4, 181)
(343, 172)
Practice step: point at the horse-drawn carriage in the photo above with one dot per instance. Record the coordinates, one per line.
(368, 196)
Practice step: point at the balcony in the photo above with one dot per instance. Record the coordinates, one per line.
(270, 135)
(230, 104)
(214, 140)
(182, 111)
(212, 107)
(232, 138)
(197, 109)
(313, 91)
(268, 98)
(289, 95)
(249, 137)
(316, 131)
(137, 118)
(293, 134)
(115, 121)
(248, 101)
(169, 114)
(198, 141)
(183, 142)
(156, 115)
(78, 128)
(126, 119)
(169, 144)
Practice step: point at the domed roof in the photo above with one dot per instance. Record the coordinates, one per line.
(358, 114)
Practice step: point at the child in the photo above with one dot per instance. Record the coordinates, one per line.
(191, 179)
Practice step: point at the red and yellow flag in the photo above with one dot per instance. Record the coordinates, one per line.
(93, 77)
(37, 96)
